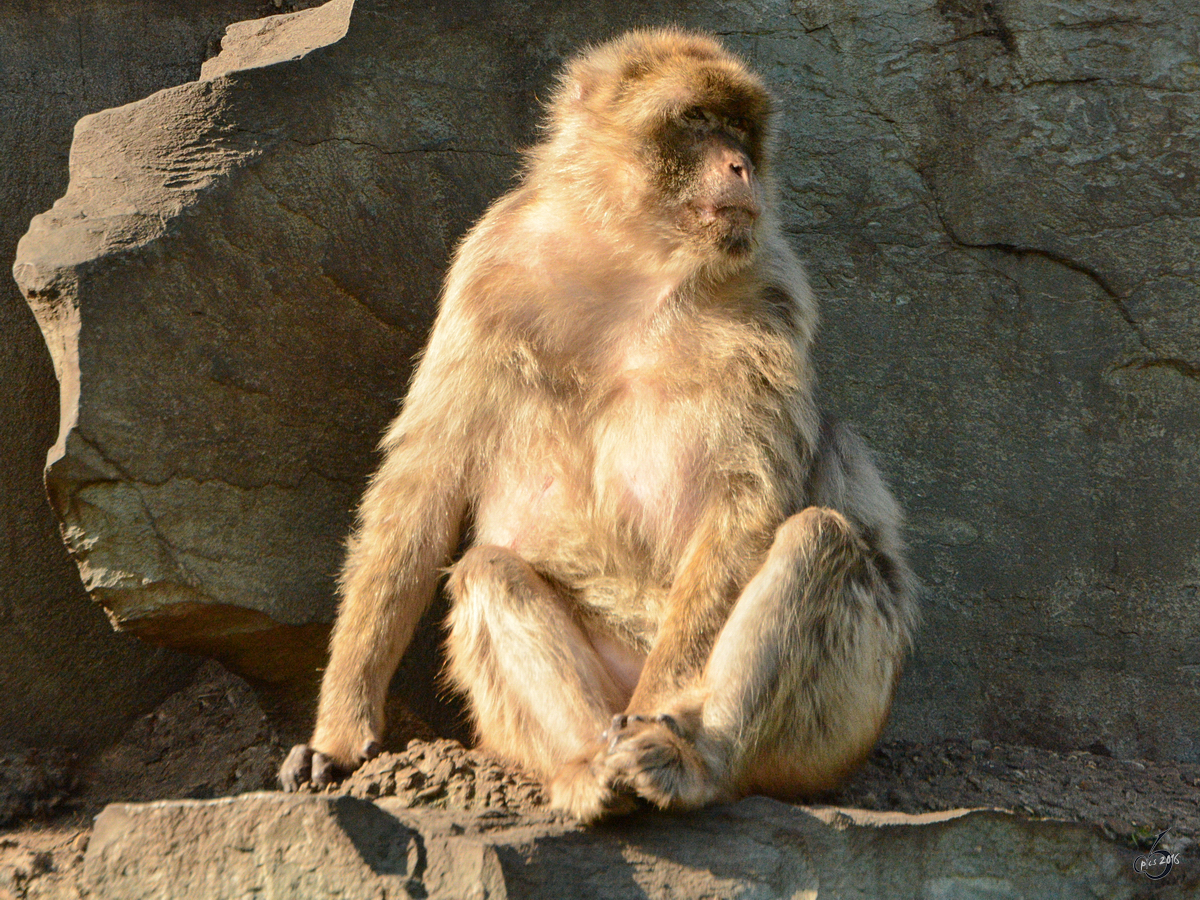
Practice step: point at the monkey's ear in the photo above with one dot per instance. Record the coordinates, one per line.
(581, 83)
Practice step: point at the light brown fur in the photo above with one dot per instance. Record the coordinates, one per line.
(682, 585)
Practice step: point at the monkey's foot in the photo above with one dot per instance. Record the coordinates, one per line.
(656, 759)
(581, 789)
(304, 765)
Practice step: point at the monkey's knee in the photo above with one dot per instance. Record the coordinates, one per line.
(813, 525)
(818, 540)
(493, 571)
(832, 669)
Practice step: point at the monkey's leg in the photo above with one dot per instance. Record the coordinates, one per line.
(539, 691)
(795, 690)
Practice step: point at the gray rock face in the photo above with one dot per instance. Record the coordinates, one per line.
(278, 846)
(997, 206)
(65, 677)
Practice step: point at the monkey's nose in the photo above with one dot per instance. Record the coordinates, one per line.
(741, 167)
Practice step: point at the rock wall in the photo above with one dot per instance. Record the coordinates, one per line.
(997, 206)
(65, 677)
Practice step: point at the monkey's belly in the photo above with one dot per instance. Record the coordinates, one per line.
(654, 491)
(641, 494)
(649, 469)
(521, 512)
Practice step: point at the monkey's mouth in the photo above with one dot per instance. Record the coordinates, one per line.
(735, 216)
(729, 226)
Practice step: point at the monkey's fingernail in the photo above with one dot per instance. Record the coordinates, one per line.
(671, 723)
(613, 735)
(371, 749)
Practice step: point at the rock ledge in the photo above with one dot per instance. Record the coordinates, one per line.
(277, 845)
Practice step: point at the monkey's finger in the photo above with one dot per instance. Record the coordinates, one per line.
(296, 767)
(646, 752)
(623, 727)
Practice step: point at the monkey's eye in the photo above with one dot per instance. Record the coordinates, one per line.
(695, 115)
(740, 125)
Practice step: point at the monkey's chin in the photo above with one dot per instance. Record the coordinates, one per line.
(732, 230)
(737, 244)
(722, 236)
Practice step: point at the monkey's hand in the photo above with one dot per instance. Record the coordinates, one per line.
(307, 765)
(658, 759)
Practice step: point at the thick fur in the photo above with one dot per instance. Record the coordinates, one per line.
(682, 585)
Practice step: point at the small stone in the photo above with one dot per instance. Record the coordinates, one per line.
(32, 864)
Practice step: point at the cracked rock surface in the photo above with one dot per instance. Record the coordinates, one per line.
(997, 204)
(317, 846)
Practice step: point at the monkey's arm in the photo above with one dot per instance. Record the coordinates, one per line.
(409, 524)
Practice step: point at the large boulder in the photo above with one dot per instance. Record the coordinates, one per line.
(997, 207)
(66, 678)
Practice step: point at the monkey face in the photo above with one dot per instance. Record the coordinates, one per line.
(704, 135)
(674, 129)
(706, 178)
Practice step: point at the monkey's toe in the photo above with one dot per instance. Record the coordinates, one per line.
(625, 727)
(304, 765)
(326, 770)
(580, 790)
(671, 723)
(616, 730)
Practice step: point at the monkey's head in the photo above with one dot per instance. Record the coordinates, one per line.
(666, 131)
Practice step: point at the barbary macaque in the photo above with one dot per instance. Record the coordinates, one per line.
(683, 584)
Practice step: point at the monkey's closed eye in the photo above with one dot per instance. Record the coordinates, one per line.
(695, 114)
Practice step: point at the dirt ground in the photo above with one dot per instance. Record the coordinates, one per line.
(212, 740)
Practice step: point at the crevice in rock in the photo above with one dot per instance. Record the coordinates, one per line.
(1180, 366)
(126, 476)
(986, 17)
(1050, 256)
(1152, 356)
